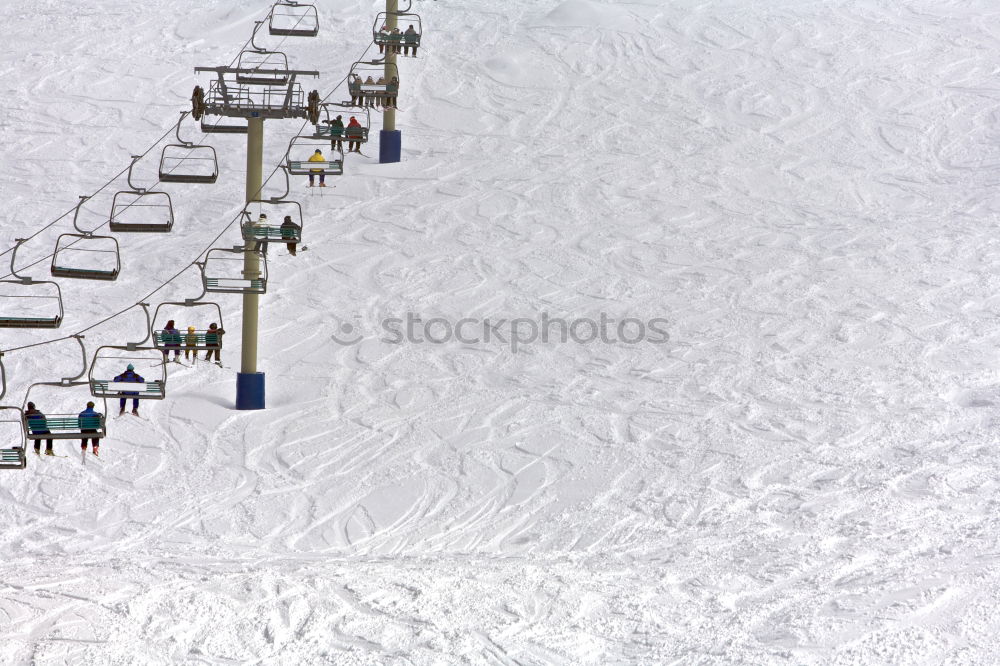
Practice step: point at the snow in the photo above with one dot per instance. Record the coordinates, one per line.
(804, 473)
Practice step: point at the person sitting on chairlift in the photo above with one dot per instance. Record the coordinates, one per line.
(92, 416)
(36, 426)
(410, 41)
(353, 146)
(354, 86)
(391, 91)
(383, 37)
(337, 132)
(380, 99)
(190, 340)
(317, 157)
(130, 375)
(372, 96)
(171, 340)
(395, 37)
(213, 340)
(289, 231)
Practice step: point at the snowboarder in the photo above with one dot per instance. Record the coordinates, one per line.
(130, 375)
(317, 157)
(36, 426)
(290, 230)
(213, 339)
(89, 417)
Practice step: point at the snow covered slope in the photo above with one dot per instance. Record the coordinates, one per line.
(804, 473)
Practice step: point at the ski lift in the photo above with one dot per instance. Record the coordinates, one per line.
(28, 315)
(224, 271)
(373, 83)
(140, 210)
(13, 457)
(293, 19)
(197, 340)
(186, 162)
(402, 39)
(301, 147)
(111, 362)
(337, 135)
(271, 224)
(63, 426)
(223, 125)
(262, 68)
(66, 246)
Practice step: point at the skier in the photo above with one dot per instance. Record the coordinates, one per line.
(380, 100)
(395, 37)
(383, 37)
(372, 96)
(354, 86)
(36, 426)
(290, 230)
(171, 340)
(89, 417)
(352, 133)
(130, 375)
(317, 157)
(410, 40)
(190, 340)
(213, 339)
(337, 133)
(391, 91)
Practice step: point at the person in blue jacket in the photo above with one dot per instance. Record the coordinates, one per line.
(130, 375)
(89, 417)
(36, 426)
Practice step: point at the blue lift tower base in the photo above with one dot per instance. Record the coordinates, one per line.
(250, 390)
(390, 146)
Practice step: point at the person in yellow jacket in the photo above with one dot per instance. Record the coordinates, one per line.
(190, 340)
(317, 157)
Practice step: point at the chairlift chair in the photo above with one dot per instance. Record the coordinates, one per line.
(12, 455)
(293, 19)
(63, 426)
(273, 229)
(21, 318)
(386, 39)
(67, 245)
(373, 94)
(140, 210)
(203, 338)
(103, 382)
(216, 282)
(262, 68)
(187, 162)
(301, 147)
(223, 125)
(336, 135)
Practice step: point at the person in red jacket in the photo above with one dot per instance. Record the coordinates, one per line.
(353, 146)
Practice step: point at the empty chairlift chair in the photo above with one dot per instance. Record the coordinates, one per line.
(139, 210)
(29, 303)
(293, 19)
(84, 255)
(262, 68)
(12, 448)
(224, 271)
(187, 162)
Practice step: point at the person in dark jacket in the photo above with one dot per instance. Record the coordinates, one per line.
(410, 41)
(89, 417)
(337, 133)
(36, 426)
(130, 375)
(290, 230)
(213, 339)
(171, 340)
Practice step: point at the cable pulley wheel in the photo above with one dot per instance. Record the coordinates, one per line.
(313, 109)
(197, 103)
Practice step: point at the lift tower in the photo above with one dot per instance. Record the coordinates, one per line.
(239, 93)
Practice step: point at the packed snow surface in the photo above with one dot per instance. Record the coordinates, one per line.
(804, 473)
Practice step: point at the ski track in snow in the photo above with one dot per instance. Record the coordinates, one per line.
(804, 474)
